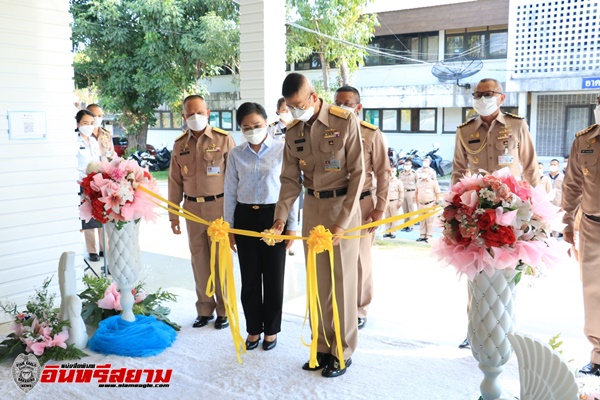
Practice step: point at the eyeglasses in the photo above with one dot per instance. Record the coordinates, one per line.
(300, 108)
(486, 95)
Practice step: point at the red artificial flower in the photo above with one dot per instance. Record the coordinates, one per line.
(502, 235)
(487, 220)
(460, 239)
(456, 202)
(449, 213)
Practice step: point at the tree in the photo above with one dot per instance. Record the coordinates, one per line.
(140, 54)
(341, 19)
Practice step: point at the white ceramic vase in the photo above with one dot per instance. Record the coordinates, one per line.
(124, 262)
(491, 319)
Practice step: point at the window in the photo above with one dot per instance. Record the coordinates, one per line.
(166, 120)
(486, 42)
(312, 62)
(412, 120)
(453, 117)
(421, 46)
(221, 119)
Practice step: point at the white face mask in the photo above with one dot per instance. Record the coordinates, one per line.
(255, 136)
(197, 122)
(407, 167)
(426, 164)
(97, 122)
(565, 165)
(553, 168)
(425, 175)
(597, 114)
(86, 130)
(351, 109)
(303, 115)
(541, 171)
(286, 117)
(485, 107)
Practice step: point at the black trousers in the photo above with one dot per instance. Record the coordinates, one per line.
(262, 269)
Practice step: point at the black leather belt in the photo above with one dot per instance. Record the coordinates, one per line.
(592, 218)
(365, 194)
(257, 206)
(390, 200)
(409, 190)
(429, 202)
(326, 194)
(204, 199)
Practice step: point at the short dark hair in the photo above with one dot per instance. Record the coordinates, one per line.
(408, 160)
(541, 163)
(554, 159)
(566, 157)
(247, 109)
(292, 84)
(497, 82)
(280, 102)
(93, 105)
(81, 113)
(192, 97)
(351, 89)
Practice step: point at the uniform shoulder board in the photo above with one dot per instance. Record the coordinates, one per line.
(293, 123)
(586, 130)
(181, 136)
(219, 130)
(467, 122)
(339, 112)
(514, 115)
(273, 124)
(368, 125)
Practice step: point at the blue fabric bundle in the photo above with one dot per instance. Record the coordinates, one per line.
(144, 337)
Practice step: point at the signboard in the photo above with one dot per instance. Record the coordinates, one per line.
(23, 125)
(590, 83)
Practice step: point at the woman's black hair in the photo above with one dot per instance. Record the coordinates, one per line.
(81, 113)
(247, 109)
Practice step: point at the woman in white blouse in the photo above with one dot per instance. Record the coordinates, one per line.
(251, 191)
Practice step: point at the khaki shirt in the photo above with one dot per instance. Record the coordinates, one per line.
(107, 147)
(432, 173)
(409, 180)
(582, 180)
(557, 184)
(479, 147)
(198, 164)
(333, 136)
(377, 166)
(395, 189)
(546, 183)
(427, 190)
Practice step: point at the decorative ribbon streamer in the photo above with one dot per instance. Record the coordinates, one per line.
(320, 240)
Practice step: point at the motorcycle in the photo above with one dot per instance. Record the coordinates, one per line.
(436, 160)
(163, 158)
(144, 159)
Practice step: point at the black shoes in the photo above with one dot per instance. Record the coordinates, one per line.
(387, 235)
(322, 360)
(422, 239)
(333, 368)
(392, 236)
(362, 322)
(101, 253)
(202, 321)
(221, 323)
(591, 369)
(269, 345)
(93, 257)
(407, 229)
(465, 344)
(252, 345)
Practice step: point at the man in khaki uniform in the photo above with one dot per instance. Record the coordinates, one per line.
(544, 179)
(493, 140)
(373, 197)
(324, 143)
(408, 176)
(582, 190)
(395, 199)
(428, 192)
(427, 166)
(197, 175)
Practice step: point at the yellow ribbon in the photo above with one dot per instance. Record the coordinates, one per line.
(320, 240)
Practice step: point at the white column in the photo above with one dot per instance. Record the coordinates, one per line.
(262, 51)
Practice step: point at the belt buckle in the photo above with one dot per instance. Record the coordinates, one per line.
(316, 194)
(255, 207)
(199, 199)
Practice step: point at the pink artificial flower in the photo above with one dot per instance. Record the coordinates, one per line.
(111, 299)
(505, 218)
(470, 198)
(117, 174)
(85, 211)
(98, 182)
(139, 295)
(34, 347)
(59, 340)
(503, 192)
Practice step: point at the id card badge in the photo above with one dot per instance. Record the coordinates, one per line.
(505, 159)
(213, 171)
(332, 165)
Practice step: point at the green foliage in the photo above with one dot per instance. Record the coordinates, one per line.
(555, 342)
(336, 18)
(141, 54)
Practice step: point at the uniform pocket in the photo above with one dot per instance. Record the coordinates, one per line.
(187, 165)
(589, 166)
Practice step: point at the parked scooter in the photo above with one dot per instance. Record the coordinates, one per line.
(163, 158)
(436, 160)
(144, 159)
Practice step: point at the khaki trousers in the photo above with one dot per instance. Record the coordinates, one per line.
(323, 212)
(589, 256)
(90, 240)
(391, 210)
(200, 250)
(408, 204)
(427, 224)
(365, 260)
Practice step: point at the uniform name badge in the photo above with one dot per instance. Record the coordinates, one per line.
(505, 159)
(332, 165)
(213, 171)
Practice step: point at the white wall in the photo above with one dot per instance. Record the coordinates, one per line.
(38, 189)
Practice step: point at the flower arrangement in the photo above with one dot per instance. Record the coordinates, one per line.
(38, 330)
(493, 221)
(110, 192)
(102, 299)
